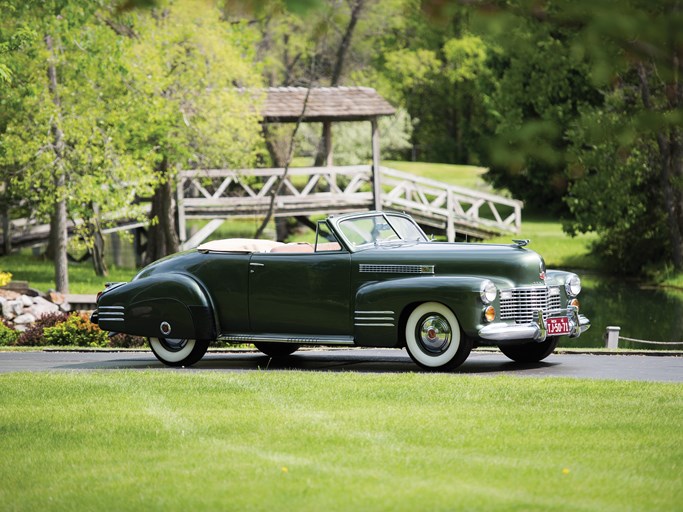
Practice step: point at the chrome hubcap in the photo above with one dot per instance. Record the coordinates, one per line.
(434, 334)
(173, 344)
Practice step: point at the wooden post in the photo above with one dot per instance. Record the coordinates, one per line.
(376, 185)
(612, 337)
(327, 143)
(450, 227)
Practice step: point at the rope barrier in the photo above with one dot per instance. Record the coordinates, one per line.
(646, 342)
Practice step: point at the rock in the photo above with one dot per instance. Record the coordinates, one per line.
(56, 297)
(5, 309)
(26, 301)
(42, 307)
(16, 307)
(65, 306)
(26, 318)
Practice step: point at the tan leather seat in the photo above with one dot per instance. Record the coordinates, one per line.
(329, 246)
(296, 247)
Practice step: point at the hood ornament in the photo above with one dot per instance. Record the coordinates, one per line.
(522, 243)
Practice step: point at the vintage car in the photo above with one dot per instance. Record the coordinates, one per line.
(370, 279)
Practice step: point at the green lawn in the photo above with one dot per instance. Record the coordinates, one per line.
(275, 440)
(469, 176)
(40, 273)
(557, 248)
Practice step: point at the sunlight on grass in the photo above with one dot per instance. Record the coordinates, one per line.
(40, 273)
(336, 441)
(557, 248)
(468, 176)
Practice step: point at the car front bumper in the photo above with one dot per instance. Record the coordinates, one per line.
(536, 331)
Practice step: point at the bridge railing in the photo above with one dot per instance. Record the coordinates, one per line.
(435, 202)
(221, 193)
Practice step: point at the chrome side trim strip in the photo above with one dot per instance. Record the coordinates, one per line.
(300, 339)
(373, 325)
(396, 269)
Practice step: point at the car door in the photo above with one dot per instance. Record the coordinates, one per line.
(300, 293)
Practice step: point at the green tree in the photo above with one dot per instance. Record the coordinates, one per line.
(188, 71)
(65, 138)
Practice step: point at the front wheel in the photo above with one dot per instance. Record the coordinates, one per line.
(434, 339)
(276, 350)
(178, 351)
(531, 352)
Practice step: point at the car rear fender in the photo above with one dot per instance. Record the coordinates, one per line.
(171, 305)
(392, 301)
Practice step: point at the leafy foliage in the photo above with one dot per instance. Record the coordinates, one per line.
(33, 336)
(76, 331)
(8, 336)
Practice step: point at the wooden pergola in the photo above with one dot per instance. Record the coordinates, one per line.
(327, 105)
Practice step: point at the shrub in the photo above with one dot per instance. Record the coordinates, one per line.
(77, 331)
(8, 336)
(33, 336)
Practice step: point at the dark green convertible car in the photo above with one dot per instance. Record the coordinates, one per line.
(370, 280)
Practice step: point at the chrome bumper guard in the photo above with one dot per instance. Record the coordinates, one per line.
(536, 331)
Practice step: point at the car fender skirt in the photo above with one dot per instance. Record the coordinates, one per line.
(169, 318)
(174, 306)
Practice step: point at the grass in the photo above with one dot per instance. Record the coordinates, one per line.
(557, 248)
(336, 441)
(41, 275)
(468, 176)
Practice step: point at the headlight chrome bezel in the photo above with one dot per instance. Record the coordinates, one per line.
(572, 285)
(488, 292)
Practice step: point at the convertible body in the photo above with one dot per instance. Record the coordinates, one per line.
(371, 279)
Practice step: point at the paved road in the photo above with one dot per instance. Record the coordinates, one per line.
(627, 367)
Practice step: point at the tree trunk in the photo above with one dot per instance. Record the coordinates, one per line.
(342, 52)
(667, 166)
(6, 229)
(97, 250)
(276, 188)
(58, 234)
(162, 238)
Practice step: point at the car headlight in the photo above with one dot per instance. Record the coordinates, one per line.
(572, 285)
(488, 292)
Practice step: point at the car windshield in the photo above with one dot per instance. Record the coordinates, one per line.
(379, 229)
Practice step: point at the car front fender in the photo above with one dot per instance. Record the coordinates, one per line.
(392, 300)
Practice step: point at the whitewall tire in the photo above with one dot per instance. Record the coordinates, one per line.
(434, 339)
(177, 351)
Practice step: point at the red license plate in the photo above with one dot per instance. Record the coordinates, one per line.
(557, 326)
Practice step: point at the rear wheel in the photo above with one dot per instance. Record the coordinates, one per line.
(531, 352)
(434, 339)
(178, 351)
(276, 349)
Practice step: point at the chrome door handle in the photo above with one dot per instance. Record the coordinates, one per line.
(257, 264)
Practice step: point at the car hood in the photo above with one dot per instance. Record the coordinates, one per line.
(509, 265)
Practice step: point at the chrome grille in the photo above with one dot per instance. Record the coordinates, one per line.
(525, 303)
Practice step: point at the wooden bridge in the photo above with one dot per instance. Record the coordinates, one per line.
(455, 211)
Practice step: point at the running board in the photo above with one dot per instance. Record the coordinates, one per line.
(299, 339)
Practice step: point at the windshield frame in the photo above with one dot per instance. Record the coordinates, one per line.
(345, 226)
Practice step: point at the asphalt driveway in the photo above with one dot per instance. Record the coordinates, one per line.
(586, 366)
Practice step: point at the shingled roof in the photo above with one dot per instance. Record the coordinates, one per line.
(284, 104)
